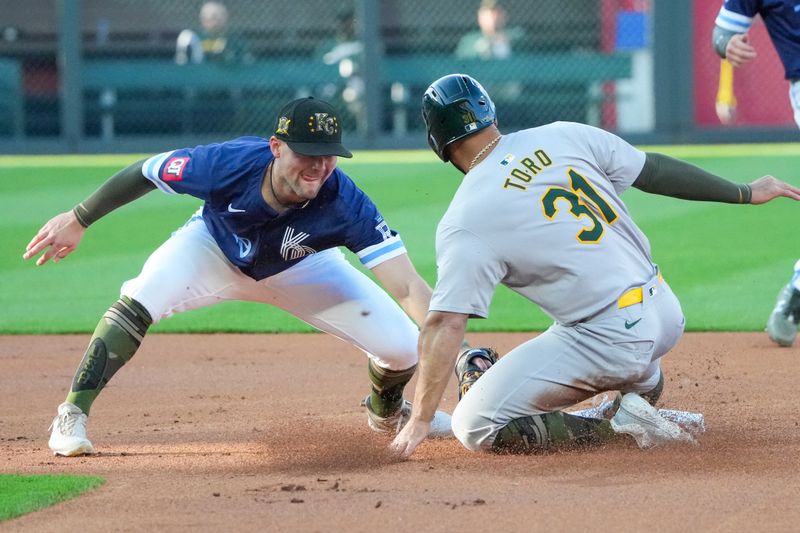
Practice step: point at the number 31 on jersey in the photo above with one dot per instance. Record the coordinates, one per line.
(584, 201)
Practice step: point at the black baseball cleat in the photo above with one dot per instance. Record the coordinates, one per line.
(468, 371)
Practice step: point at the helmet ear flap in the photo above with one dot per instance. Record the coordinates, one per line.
(454, 107)
(432, 143)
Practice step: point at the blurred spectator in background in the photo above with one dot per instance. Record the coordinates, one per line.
(214, 43)
(345, 49)
(345, 43)
(492, 40)
(731, 41)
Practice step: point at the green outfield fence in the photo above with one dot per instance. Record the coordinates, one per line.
(143, 75)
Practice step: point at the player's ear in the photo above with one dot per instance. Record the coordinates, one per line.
(275, 146)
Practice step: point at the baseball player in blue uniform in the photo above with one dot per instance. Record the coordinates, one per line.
(731, 42)
(539, 211)
(275, 210)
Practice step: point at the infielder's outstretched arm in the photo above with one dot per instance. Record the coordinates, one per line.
(439, 344)
(62, 233)
(402, 281)
(668, 176)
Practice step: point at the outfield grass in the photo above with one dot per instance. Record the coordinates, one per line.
(24, 494)
(726, 263)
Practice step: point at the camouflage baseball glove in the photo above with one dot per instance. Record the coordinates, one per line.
(472, 364)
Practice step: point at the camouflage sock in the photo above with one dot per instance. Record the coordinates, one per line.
(387, 388)
(116, 338)
(551, 430)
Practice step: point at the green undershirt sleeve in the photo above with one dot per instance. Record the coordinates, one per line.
(123, 187)
(672, 177)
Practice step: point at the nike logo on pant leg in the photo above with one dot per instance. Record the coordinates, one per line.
(629, 325)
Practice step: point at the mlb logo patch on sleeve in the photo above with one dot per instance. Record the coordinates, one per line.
(173, 170)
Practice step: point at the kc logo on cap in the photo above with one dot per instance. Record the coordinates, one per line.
(323, 135)
(322, 122)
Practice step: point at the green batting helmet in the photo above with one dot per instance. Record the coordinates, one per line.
(453, 107)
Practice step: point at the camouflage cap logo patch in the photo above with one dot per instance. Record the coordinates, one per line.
(323, 122)
(283, 126)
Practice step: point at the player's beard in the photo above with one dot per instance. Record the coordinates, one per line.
(296, 189)
(307, 189)
(288, 178)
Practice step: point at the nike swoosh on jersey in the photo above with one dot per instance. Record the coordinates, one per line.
(232, 209)
(629, 325)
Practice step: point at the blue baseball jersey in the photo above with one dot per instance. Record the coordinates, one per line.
(782, 18)
(253, 236)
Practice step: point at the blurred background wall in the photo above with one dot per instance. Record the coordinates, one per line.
(146, 75)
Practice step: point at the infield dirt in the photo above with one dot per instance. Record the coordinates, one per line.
(265, 433)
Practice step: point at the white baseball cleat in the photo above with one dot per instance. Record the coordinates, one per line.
(441, 425)
(68, 435)
(641, 420)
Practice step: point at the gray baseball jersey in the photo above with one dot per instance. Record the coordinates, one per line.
(542, 215)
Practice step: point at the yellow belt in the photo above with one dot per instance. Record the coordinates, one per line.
(633, 296)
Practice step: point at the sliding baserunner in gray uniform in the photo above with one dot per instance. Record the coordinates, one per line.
(540, 211)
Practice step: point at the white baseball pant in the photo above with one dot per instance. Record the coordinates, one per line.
(189, 271)
(618, 349)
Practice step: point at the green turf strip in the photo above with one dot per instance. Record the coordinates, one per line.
(23, 494)
(726, 263)
(415, 156)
